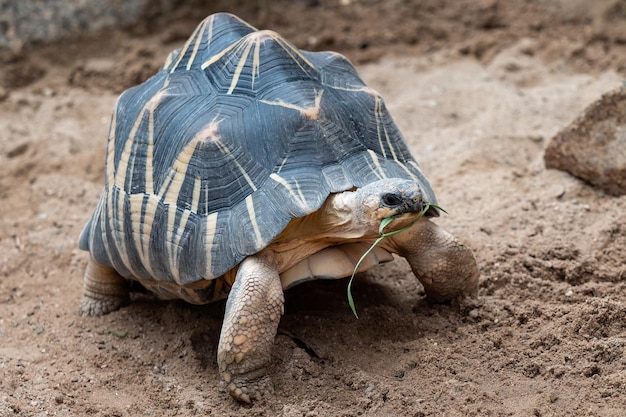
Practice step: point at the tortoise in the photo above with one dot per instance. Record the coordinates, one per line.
(245, 166)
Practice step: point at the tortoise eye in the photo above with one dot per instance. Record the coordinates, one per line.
(391, 200)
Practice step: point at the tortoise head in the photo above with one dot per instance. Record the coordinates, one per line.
(364, 208)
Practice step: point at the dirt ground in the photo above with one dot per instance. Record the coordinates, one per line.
(478, 88)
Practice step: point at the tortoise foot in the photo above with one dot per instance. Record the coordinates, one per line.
(104, 290)
(93, 307)
(248, 387)
(446, 268)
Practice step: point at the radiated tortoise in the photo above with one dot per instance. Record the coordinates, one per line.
(246, 166)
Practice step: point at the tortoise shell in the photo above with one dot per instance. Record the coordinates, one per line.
(238, 133)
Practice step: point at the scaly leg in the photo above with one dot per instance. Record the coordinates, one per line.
(445, 267)
(104, 290)
(253, 310)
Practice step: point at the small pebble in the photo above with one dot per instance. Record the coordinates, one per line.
(18, 150)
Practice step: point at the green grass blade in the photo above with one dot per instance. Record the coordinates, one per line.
(350, 299)
(384, 223)
(381, 230)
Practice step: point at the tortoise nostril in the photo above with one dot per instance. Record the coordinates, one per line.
(391, 200)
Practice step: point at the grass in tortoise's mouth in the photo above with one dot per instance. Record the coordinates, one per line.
(381, 231)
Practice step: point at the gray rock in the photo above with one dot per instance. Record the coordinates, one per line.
(593, 147)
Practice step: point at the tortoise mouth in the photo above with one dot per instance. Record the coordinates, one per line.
(404, 210)
(400, 220)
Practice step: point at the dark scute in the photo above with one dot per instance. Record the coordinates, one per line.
(280, 63)
(217, 32)
(335, 70)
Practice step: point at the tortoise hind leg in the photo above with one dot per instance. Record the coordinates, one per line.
(446, 268)
(253, 310)
(104, 290)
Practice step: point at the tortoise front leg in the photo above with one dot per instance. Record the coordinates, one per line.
(104, 290)
(446, 268)
(253, 310)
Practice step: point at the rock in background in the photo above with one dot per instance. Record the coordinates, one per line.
(593, 147)
(27, 21)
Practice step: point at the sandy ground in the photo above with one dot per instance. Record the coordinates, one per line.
(478, 88)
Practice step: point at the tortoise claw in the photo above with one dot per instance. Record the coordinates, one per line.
(245, 389)
(94, 307)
